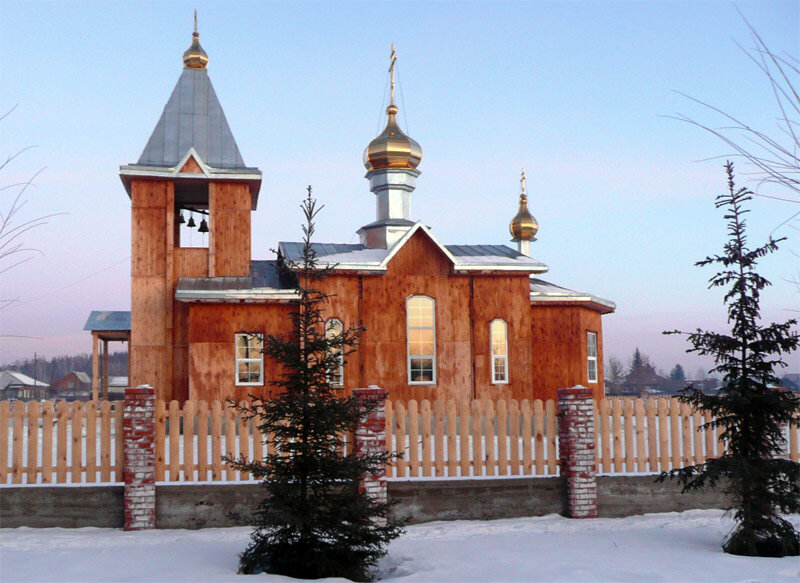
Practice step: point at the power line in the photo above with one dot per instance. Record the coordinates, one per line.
(96, 273)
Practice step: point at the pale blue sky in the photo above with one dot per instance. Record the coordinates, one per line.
(574, 92)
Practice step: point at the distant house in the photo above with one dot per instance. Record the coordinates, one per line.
(116, 388)
(791, 382)
(75, 386)
(15, 385)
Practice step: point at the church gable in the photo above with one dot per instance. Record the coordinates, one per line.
(419, 255)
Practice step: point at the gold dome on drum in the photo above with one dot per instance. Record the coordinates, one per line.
(523, 226)
(195, 57)
(392, 148)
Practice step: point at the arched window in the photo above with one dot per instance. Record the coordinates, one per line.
(333, 329)
(421, 335)
(498, 332)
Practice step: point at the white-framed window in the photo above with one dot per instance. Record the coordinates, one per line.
(498, 338)
(333, 328)
(249, 359)
(421, 340)
(591, 355)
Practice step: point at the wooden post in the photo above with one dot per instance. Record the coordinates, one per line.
(105, 369)
(576, 438)
(95, 369)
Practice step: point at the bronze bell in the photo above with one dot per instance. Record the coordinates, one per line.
(181, 219)
(191, 224)
(203, 227)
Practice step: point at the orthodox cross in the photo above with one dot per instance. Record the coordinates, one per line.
(392, 58)
(524, 183)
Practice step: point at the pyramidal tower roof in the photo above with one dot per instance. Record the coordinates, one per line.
(193, 125)
(192, 118)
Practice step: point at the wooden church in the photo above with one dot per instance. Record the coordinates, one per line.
(442, 321)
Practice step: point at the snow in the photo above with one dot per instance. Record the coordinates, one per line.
(654, 548)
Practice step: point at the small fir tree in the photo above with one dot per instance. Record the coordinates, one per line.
(677, 373)
(314, 521)
(748, 408)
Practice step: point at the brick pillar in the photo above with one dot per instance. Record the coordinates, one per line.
(576, 446)
(139, 459)
(370, 437)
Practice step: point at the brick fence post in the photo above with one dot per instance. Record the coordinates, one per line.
(139, 468)
(576, 445)
(370, 437)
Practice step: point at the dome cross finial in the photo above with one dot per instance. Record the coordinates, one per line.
(195, 23)
(523, 184)
(392, 59)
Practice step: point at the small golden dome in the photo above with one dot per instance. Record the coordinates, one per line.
(195, 57)
(392, 148)
(523, 226)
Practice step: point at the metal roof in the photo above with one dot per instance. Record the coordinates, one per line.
(544, 291)
(192, 118)
(12, 378)
(266, 281)
(472, 257)
(108, 321)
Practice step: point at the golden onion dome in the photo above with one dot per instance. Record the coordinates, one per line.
(523, 226)
(392, 148)
(195, 57)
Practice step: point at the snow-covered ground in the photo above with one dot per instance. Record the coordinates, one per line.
(652, 548)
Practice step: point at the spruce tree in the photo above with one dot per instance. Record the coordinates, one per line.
(749, 409)
(677, 373)
(314, 521)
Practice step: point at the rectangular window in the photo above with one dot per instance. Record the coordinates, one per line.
(333, 329)
(421, 340)
(499, 342)
(591, 355)
(249, 359)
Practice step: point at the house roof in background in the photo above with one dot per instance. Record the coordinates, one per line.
(14, 378)
(110, 321)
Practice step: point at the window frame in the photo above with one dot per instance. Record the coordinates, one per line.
(504, 381)
(592, 358)
(408, 342)
(328, 323)
(237, 360)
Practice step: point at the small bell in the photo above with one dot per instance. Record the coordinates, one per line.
(181, 219)
(203, 227)
(191, 224)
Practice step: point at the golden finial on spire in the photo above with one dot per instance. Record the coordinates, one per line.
(523, 226)
(195, 57)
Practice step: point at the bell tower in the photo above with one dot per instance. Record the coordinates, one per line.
(190, 165)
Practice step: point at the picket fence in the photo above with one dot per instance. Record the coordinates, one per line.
(82, 442)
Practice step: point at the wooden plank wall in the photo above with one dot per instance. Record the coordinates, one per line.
(229, 237)
(212, 328)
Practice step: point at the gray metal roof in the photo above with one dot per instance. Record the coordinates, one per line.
(264, 282)
(544, 291)
(466, 256)
(192, 118)
(108, 321)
